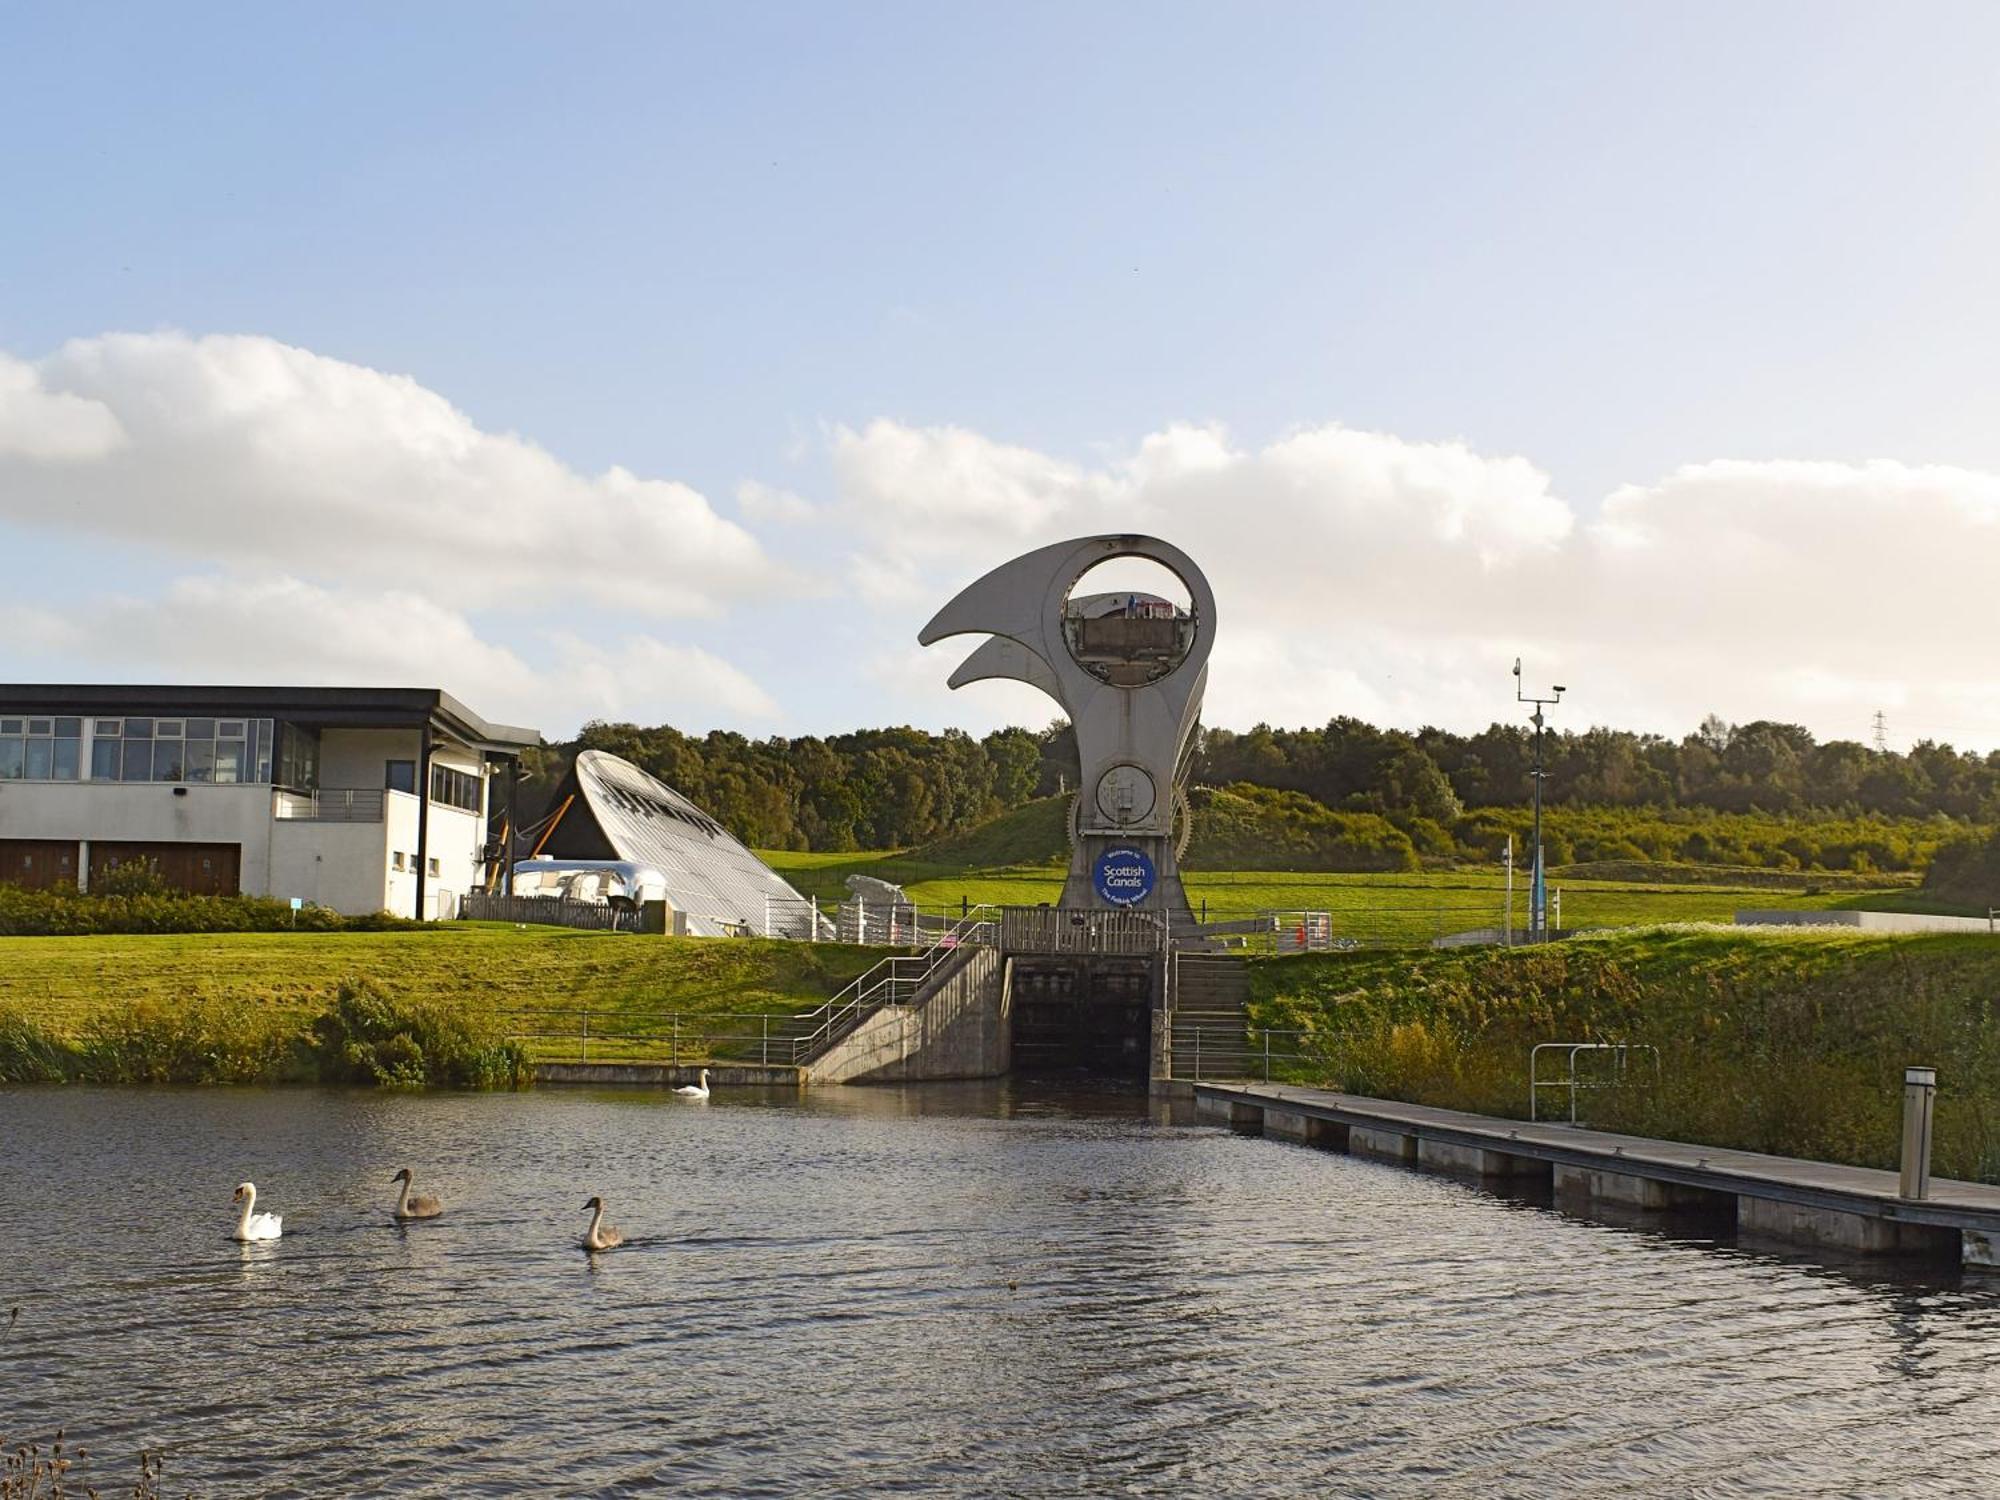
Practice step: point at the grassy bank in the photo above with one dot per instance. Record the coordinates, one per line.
(1404, 906)
(1769, 1041)
(244, 1007)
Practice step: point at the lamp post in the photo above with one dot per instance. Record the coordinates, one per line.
(1538, 888)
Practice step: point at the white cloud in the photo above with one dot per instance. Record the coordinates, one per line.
(252, 453)
(51, 426)
(282, 630)
(354, 526)
(1362, 573)
(651, 681)
(763, 502)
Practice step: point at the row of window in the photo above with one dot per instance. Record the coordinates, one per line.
(407, 863)
(135, 749)
(197, 751)
(455, 788)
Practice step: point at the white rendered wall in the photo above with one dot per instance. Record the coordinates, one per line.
(340, 865)
(457, 839)
(360, 757)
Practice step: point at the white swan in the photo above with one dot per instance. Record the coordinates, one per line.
(253, 1225)
(599, 1236)
(414, 1208)
(695, 1090)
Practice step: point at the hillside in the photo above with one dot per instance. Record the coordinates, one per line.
(1770, 1041)
(1249, 827)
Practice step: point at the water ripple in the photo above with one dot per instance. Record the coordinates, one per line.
(972, 1290)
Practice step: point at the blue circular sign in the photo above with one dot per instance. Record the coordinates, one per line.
(1123, 876)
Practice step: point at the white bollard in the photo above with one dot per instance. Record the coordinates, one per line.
(1919, 1100)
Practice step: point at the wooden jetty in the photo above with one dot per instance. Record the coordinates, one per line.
(1856, 1209)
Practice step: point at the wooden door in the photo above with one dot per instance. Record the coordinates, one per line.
(37, 864)
(202, 869)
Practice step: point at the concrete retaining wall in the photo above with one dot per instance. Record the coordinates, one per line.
(664, 1075)
(1630, 1191)
(1842, 1231)
(1382, 1145)
(1867, 921)
(1475, 1161)
(961, 1028)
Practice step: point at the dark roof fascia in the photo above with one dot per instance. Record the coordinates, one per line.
(334, 706)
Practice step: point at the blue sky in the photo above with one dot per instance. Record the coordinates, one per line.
(702, 245)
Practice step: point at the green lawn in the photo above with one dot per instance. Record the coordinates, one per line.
(59, 983)
(1389, 908)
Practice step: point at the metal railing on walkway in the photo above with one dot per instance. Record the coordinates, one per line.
(581, 1034)
(893, 981)
(1618, 1071)
(1057, 929)
(331, 804)
(1217, 1051)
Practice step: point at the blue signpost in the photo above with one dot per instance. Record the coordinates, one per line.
(1123, 875)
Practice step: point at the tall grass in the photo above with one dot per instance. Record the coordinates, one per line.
(1788, 1044)
(30, 1472)
(363, 1034)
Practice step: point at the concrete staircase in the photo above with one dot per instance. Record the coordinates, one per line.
(1211, 991)
(954, 1023)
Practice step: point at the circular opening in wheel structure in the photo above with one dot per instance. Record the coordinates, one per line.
(1126, 795)
(1129, 621)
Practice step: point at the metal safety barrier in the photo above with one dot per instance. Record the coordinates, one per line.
(1204, 1050)
(570, 1033)
(893, 981)
(1617, 1054)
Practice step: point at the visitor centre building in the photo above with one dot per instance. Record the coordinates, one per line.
(358, 799)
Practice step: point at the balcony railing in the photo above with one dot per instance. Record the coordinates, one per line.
(330, 804)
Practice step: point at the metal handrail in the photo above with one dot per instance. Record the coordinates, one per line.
(686, 1037)
(894, 980)
(1244, 1050)
(1619, 1067)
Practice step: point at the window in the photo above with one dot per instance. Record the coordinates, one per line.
(400, 776)
(455, 788)
(432, 865)
(199, 751)
(397, 861)
(40, 749)
(298, 757)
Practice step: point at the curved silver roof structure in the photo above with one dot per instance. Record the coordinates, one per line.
(622, 813)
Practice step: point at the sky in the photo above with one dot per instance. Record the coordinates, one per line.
(676, 363)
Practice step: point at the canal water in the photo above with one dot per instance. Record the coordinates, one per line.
(957, 1290)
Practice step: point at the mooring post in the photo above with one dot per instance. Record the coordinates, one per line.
(764, 1056)
(583, 1040)
(677, 1041)
(1919, 1100)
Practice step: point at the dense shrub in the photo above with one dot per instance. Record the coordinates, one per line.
(365, 1036)
(1785, 1043)
(1247, 827)
(196, 1040)
(1866, 844)
(133, 900)
(1966, 872)
(370, 1036)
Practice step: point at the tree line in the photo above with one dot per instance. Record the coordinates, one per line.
(897, 788)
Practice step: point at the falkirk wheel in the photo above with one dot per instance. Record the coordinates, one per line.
(1128, 668)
